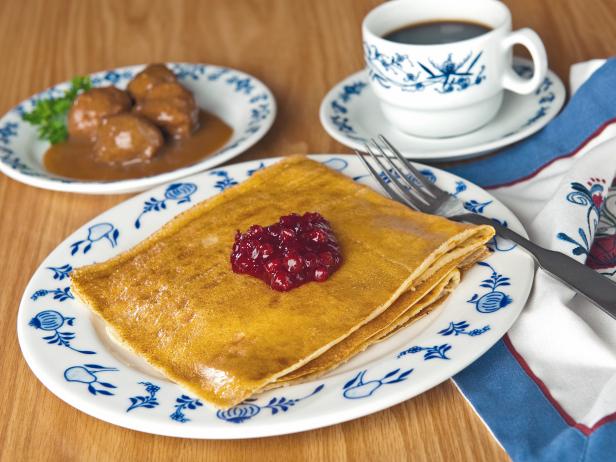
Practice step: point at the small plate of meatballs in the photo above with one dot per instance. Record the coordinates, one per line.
(136, 127)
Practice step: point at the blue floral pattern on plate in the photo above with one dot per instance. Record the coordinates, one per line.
(433, 352)
(461, 327)
(224, 180)
(52, 321)
(358, 388)
(178, 192)
(58, 294)
(168, 405)
(96, 233)
(498, 244)
(87, 374)
(60, 272)
(148, 401)
(249, 408)
(182, 404)
(476, 206)
(494, 299)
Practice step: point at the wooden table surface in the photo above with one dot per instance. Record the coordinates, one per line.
(300, 48)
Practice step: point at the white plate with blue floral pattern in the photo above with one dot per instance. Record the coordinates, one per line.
(241, 100)
(69, 352)
(351, 114)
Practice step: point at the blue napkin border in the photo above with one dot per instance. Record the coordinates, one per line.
(523, 419)
(590, 110)
(508, 398)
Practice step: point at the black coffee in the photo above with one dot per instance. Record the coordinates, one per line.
(435, 32)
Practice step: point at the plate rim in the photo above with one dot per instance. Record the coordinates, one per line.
(269, 427)
(450, 154)
(143, 184)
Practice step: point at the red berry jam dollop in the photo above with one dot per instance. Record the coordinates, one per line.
(295, 250)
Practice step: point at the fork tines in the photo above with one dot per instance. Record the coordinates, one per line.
(398, 177)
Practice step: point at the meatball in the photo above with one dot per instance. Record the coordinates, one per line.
(148, 78)
(126, 138)
(91, 107)
(171, 107)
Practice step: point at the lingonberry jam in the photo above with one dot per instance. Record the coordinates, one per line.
(295, 250)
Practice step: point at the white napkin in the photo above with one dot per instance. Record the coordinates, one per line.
(568, 343)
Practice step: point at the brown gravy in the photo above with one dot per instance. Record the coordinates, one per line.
(73, 159)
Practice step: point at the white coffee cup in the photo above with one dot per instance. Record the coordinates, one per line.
(447, 89)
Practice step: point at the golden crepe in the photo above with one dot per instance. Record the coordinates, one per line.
(411, 305)
(174, 300)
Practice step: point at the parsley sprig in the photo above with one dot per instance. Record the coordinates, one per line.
(49, 115)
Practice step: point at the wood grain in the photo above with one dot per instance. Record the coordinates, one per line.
(300, 49)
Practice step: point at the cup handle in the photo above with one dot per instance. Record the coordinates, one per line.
(529, 39)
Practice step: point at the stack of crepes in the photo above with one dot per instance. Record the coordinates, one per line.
(174, 300)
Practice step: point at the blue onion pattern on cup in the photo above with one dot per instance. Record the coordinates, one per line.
(52, 321)
(87, 374)
(495, 299)
(178, 192)
(443, 76)
(249, 408)
(97, 233)
(358, 388)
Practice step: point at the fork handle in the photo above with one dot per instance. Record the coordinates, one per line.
(596, 287)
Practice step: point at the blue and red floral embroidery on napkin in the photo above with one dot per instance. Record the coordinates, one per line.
(602, 256)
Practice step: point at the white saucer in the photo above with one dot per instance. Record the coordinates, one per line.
(351, 114)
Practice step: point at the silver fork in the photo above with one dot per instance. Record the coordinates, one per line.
(408, 186)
